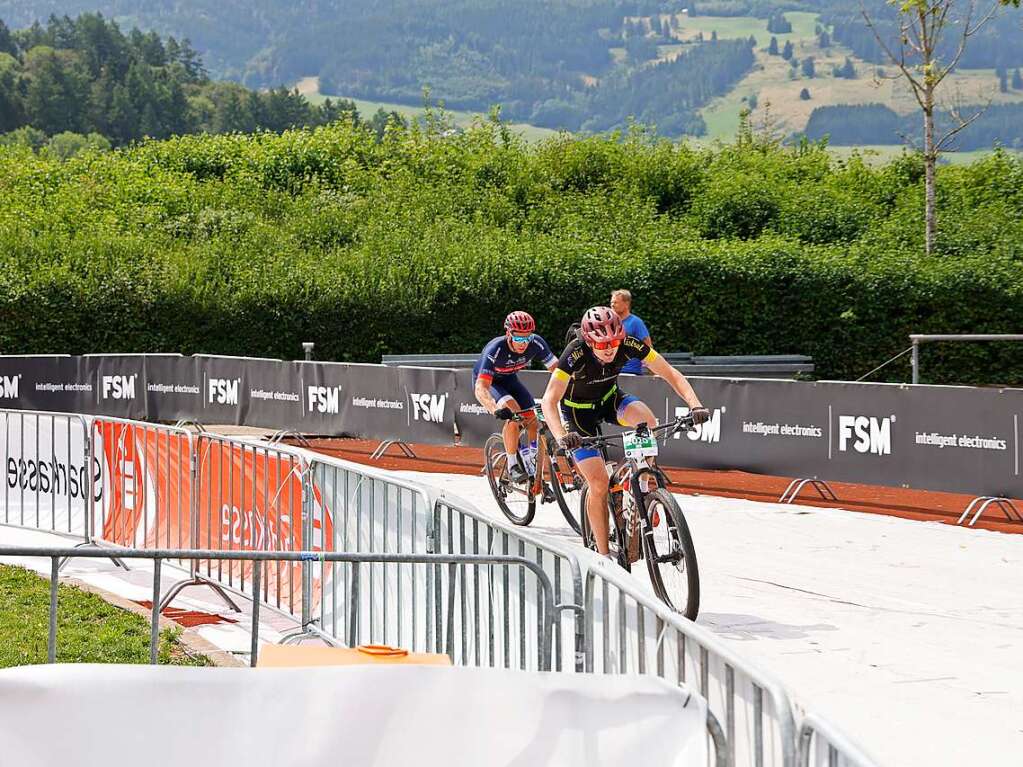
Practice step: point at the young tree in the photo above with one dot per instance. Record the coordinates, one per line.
(786, 52)
(824, 39)
(1017, 81)
(847, 71)
(772, 49)
(808, 67)
(926, 27)
(804, 95)
(713, 35)
(1003, 79)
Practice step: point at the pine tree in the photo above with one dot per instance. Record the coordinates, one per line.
(804, 94)
(772, 49)
(808, 67)
(786, 52)
(1017, 81)
(1003, 79)
(824, 39)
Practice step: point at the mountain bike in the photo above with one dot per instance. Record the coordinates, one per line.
(648, 523)
(551, 476)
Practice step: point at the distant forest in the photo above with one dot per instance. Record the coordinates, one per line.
(85, 76)
(877, 124)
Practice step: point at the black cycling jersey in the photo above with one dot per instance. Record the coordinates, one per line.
(589, 379)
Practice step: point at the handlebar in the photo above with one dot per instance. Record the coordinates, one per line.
(666, 429)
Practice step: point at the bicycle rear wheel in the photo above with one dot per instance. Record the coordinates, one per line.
(517, 502)
(670, 554)
(616, 543)
(561, 492)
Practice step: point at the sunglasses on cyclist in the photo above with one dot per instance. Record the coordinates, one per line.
(522, 339)
(605, 345)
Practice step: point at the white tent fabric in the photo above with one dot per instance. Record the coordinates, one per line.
(84, 715)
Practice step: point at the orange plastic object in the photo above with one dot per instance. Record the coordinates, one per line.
(284, 656)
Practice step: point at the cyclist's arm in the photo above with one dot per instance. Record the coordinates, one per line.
(556, 389)
(483, 395)
(659, 366)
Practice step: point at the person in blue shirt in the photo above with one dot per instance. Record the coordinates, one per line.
(498, 388)
(621, 302)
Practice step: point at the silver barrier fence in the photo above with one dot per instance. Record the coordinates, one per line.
(490, 610)
(50, 473)
(248, 496)
(628, 631)
(146, 472)
(821, 745)
(452, 563)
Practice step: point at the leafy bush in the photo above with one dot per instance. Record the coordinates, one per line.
(423, 241)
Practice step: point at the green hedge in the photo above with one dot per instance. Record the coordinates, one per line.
(251, 244)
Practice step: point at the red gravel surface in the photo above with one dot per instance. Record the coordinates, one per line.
(922, 505)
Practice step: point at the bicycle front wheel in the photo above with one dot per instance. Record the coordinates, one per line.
(558, 476)
(517, 502)
(670, 554)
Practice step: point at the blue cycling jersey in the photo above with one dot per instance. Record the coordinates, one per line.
(498, 361)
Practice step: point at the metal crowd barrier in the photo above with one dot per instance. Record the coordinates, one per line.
(488, 614)
(821, 745)
(360, 555)
(628, 631)
(48, 472)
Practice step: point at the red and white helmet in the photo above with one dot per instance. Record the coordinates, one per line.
(519, 322)
(601, 324)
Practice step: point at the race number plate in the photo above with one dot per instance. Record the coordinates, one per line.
(637, 447)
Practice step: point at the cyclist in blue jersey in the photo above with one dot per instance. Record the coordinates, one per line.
(498, 388)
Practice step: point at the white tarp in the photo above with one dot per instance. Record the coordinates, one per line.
(84, 715)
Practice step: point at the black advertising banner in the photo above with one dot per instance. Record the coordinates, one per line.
(174, 388)
(273, 396)
(223, 389)
(957, 439)
(118, 384)
(473, 423)
(53, 383)
(324, 386)
(374, 404)
(429, 411)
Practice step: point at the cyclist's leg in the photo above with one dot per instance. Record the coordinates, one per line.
(510, 432)
(523, 402)
(590, 463)
(632, 411)
(591, 466)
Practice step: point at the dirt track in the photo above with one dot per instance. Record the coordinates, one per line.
(908, 504)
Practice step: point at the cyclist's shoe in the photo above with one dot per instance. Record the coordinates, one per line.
(517, 475)
(548, 493)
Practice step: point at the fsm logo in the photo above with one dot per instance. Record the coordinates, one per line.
(9, 386)
(118, 387)
(867, 434)
(223, 391)
(428, 407)
(324, 399)
(706, 432)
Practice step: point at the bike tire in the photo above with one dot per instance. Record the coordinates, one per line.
(559, 496)
(519, 506)
(616, 537)
(671, 555)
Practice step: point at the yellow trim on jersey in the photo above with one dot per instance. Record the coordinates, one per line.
(651, 357)
(561, 375)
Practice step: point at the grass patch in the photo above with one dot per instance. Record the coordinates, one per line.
(89, 630)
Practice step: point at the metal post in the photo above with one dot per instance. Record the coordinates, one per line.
(915, 362)
(257, 571)
(154, 629)
(51, 642)
(307, 347)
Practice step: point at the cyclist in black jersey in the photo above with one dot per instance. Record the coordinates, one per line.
(583, 392)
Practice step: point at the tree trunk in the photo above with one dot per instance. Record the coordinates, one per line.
(930, 160)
